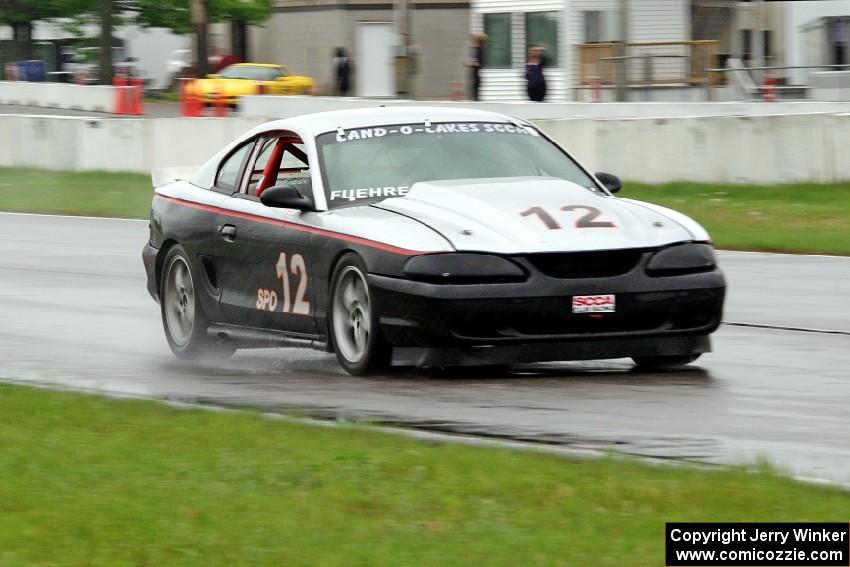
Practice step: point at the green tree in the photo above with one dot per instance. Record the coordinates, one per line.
(176, 15)
(20, 15)
(104, 13)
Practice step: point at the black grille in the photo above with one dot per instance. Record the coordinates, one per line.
(636, 312)
(570, 265)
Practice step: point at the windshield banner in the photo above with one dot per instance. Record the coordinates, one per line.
(442, 128)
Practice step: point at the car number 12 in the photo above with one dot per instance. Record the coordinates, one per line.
(298, 268)
(587, 220)
(267, 300)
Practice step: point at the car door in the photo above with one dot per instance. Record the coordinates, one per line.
(264, 253)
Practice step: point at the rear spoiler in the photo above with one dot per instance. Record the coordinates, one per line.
(165, 175)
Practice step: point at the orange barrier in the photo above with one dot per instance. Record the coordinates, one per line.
(120, 84)
(219, 103)
(135, 94)
(183, 103)
(190, 103)
(457, 90)
(768, 89)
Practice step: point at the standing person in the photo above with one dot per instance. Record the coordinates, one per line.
(535, 80)
(342, 72)
(475, 62)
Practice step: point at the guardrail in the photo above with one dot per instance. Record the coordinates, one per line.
(95, 98)
(748, 80)
(681, 62)
(719, 149)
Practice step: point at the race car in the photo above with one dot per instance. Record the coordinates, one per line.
(243, 79)
(424, 236)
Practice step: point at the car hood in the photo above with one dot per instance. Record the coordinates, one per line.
(486, 215)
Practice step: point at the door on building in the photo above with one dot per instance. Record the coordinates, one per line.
(374, 64)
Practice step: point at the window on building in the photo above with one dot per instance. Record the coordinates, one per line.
(541, 28)
(837, 32)
(767, 44)
(497, 48)
(601, 26)
(748, 48)
(593, 27)
(746, 45)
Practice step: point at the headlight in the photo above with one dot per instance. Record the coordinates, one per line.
(682, 259)
(462, 268)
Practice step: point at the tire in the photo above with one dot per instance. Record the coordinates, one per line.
(353, 325)
(659, 362)
(183, 319)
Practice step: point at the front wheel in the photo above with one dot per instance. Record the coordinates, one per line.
(355, 334)
(660, 362)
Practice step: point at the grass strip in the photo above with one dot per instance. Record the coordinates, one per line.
(807, 218)
(98, 193)
(90, 481)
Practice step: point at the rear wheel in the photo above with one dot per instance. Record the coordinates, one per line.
(182, 316)
(356, 337)
(653, 362)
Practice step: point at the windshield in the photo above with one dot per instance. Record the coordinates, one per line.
(365, 165)
(251, 73)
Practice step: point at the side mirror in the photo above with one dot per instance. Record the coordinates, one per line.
(609, 180)
(213, 76)
(285, 197)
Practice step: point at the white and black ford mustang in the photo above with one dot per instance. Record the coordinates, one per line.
(428, 237)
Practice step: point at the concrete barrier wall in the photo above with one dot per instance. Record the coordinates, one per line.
(287, 106)
(94, 98)
(765, 149)
(135, 145)
(733, 149)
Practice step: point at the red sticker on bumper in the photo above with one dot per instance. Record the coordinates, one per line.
(594, 303)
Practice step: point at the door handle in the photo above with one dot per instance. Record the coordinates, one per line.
(228, 232)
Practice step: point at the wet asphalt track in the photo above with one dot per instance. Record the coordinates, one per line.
(74, 311)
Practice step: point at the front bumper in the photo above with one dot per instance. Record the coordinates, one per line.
(584, 349)
(444, 324)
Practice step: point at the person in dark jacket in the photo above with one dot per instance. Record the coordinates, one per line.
(475, 62)
(535, 80)
(342, 72)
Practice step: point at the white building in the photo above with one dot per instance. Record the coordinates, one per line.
(779, 34)
(562, 26)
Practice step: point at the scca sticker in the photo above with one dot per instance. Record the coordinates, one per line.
(442, 128)
(594, 303)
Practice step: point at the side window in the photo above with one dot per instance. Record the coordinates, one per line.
(293, 162)
(228, 173)
(263, 156)
(280, 158)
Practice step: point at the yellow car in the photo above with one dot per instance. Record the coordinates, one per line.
(250, 79)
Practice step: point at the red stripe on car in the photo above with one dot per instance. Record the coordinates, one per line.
(292, 226)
